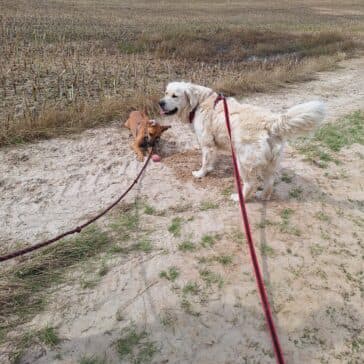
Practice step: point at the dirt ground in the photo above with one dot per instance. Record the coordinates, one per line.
(313, 268)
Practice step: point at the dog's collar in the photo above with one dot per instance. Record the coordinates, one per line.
(192, 114)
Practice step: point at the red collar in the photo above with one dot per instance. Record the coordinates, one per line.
(191, 115)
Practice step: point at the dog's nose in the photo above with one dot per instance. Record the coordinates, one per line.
(162, 103)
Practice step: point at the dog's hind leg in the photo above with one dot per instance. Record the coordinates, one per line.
(248, 189)
(208, 161)
(249, 181)
(267, 188)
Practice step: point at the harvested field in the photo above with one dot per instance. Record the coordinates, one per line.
(166, 277)
(68, 65)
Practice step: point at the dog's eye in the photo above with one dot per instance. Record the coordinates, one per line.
(174, 96)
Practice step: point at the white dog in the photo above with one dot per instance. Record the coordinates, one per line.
(258, 135)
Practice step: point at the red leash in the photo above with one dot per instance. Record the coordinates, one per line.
(77, 229)
(249, 238)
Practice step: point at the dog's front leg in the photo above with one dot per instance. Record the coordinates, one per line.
(138, 151)
(208, 160)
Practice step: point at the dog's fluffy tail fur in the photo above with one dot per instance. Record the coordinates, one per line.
(298, 120)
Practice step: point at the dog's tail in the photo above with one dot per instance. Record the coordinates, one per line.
(298, 120)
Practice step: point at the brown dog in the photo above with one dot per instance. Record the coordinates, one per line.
(145, 132)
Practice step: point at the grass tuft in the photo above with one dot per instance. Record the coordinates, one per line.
(175, 226)
(187, 246)
(191, 288)
(171, 274)
(210, 278)
(285, 225)
(134, 346)
(23, 287)
(149, 210)
(267, 250)
(208, 240)
(331, 138)
(322, 216)
(124, 224)
(187, 307)
(208, 205)
(296, 192)
(49, 336)
(224, 259)
(347, 131)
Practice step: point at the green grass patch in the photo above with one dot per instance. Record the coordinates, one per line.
(49, 336)
(322, 216)
(23, 287)
(296, 193)
(286, 213)
(134, 346)
(149, 210)
(237, 236)
(144, 245)
(210, 278)
(208, 205)
(176, 226)
(285, 177)
(171, 274)
(263, 224)
(316, 250)
(267, 250)
(227, 191)
(208, 240)
(22, 344)
(187, 307)
(224, 259)
(285, 225)
(343, 133)
(331, 138)
(167, 318)
(191, 288)
(187, 246)
(125, 224)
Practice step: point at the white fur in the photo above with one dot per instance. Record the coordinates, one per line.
(258, 135)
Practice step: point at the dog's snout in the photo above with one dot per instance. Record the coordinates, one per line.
(162, 103)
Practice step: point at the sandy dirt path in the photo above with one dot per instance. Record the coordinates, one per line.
(52, 185)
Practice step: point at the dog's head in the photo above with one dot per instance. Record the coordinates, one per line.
(182, 97)
(155, 130)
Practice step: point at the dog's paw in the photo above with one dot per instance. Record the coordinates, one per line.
(198, 174)
(234, 197)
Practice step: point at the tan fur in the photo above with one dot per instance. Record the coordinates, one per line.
(143, 129)
(258, 135)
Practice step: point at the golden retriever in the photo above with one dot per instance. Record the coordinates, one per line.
(258, 135)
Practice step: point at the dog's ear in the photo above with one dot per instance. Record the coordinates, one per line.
(165, 127)
(191, 98)
(144, 114)
(188, 97)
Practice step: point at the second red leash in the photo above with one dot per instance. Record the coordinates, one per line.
(258, 274)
